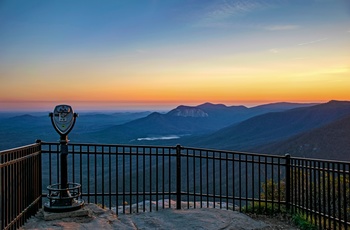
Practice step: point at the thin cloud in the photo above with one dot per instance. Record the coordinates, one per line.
(282, 27)
(231, 8)
(313, 42)
(274, 51)
(220, 13)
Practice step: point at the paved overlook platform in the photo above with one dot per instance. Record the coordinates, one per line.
(94, 217)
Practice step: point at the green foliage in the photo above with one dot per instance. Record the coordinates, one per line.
(324, 192)
(272, 193)
(264, 208)
(301, 222)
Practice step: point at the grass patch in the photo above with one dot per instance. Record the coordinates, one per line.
(301, 222)
(264, 208)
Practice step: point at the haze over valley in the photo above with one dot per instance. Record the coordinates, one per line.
(307, 130)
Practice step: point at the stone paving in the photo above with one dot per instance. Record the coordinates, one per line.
(94, 217)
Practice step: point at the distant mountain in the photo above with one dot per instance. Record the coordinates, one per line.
(188, 120)
(274, 126)
(91, 122)
(187, 111)
(24, 129)
(18, 129)
(331, 141)
(281, 106)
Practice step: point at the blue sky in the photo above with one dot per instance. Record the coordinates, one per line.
(140, 53)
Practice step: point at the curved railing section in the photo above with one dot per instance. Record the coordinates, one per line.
(128, 178)
(20, 185)
(131, 179)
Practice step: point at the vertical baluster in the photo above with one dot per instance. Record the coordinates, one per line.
(187, 178)
(207, 177)
(272, 185)
(117, 177)
(95, 170)
(303, 187)
(81, 165)
(144, 178)
(213, 174)
(103, 175)
(194, 177)
(233, 181)
(246, 181)
(279, 183)
(329, 191)
(240, 182)
(259, 182)
(227, 182)
(253, 181)
(339, 195)
(157, 171)
(319, 183)
(324, 192)
(88, 172)
(220, 180)
(346, 183)
(201, 178)
(137, 179)
(150, 179)
(289, 193)
(110, 176)
(266, 182)
(131, 179)
(123, 185)
(307, 189)
(316, 193)
(169, 179)
(2, 192)
(163, 178)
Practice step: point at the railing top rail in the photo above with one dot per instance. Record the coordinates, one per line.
(320, 160)
(233, 152)
(168, 147)
(110, 145)
(7, 151)
(189, 148)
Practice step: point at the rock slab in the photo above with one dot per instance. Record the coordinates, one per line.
(98, 218)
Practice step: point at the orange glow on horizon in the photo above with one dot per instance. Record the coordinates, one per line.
(192, 57)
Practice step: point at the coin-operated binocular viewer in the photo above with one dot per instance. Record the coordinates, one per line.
(64, 196)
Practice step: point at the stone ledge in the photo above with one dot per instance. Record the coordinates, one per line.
(59, 215)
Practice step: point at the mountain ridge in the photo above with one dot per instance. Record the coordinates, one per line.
(274, 126)
(330, 141)
(189, 120)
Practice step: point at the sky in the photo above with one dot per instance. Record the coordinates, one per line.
(157, 54)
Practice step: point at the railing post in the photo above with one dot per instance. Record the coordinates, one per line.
(2, 191)
(288, 181)
(38, 141)
(178, 176)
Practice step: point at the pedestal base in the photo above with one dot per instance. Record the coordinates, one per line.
(64, 199)
(48, 215)
(76, 205)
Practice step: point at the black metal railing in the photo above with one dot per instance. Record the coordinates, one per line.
(120, 176)
(320, 191)
(20, 185)
(129, 178)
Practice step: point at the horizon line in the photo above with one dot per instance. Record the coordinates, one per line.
(109, 106)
